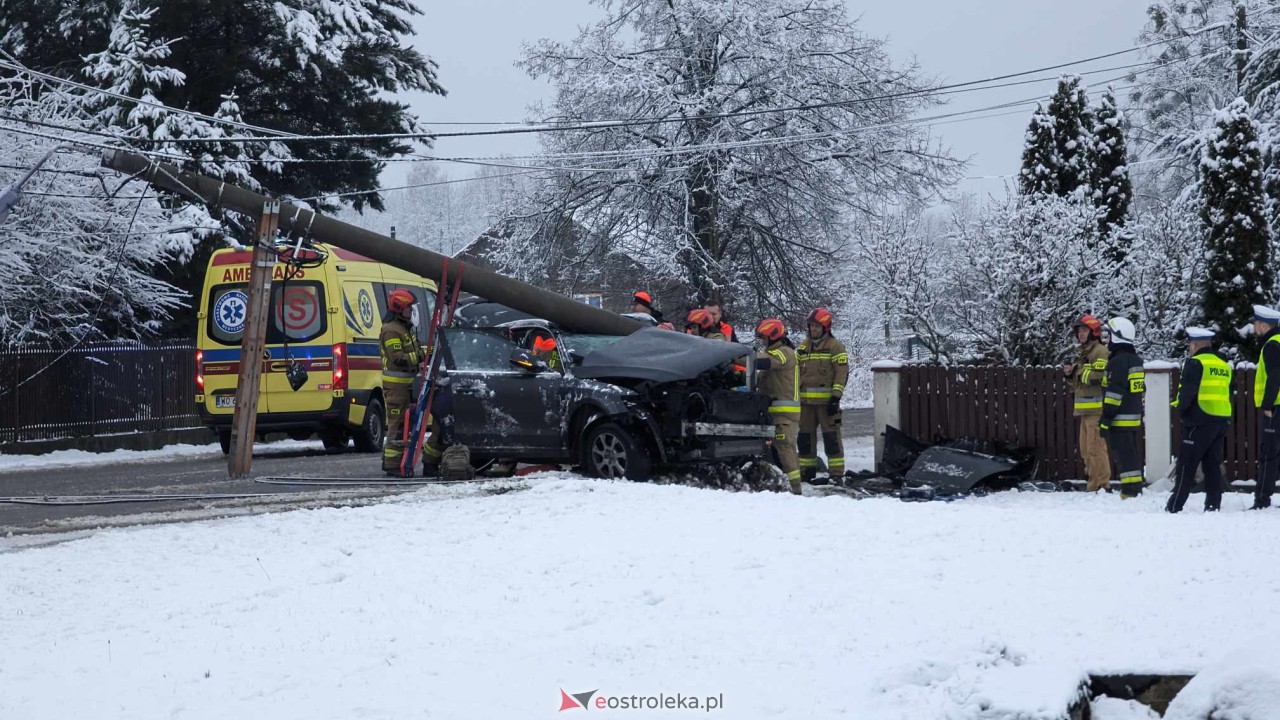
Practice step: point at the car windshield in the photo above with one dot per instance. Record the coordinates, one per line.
(583, 345)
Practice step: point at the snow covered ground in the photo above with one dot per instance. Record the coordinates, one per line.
(455, 602)
(81, 458)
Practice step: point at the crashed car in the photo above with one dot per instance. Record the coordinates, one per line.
(616, 406)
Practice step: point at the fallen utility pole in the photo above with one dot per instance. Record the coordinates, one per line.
(565, 312)
(253, 344)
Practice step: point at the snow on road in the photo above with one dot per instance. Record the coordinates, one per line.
(454, 603)
(82, 458)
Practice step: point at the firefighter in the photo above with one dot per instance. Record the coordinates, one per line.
(1121, 422)
(1086, 375)
(546, 349)
(1204, 403)
(824, 370)
(780, 380)
(1266, 396)
(717, 316)
(642, 302)
(401, 358)
(700, 322)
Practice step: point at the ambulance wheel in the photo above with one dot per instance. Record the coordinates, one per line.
(224, 439)
(334, 439)
(370, 435)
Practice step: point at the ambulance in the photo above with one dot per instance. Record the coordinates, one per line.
(325, 319)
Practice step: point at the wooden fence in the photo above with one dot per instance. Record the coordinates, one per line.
(97, 390)
(1031, 407)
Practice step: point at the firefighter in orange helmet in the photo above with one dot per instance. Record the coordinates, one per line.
(779, 375)
(1086, 375)
(402, 356)
(824, 370)
(701, 323)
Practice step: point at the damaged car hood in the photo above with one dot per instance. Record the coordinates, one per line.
(659, 356)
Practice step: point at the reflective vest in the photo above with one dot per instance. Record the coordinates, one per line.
(1214, 396)
(1260, 380)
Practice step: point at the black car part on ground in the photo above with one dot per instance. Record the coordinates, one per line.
(948, 468)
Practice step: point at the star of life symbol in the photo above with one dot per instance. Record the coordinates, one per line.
(229, 312)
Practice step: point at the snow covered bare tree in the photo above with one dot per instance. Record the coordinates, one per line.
(750, 130)
(1165, 272)
(1239, 271)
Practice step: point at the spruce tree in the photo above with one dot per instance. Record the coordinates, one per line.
(1232, 208)
(1069, 111)
(1112, 190)
(1039, 174)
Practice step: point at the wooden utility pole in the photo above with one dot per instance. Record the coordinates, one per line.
(253, 344)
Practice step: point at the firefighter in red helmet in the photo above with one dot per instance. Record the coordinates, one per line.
(824, 370)
(1086, 375)
(701, 323)
(780, 380)
(402, 356)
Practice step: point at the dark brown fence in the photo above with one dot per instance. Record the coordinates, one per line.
(1031, 407)
(96, 390)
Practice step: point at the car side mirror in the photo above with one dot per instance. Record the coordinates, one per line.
(525, 360)
(763, 364)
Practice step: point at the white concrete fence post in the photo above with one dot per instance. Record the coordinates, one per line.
(1158, 420)
(887, 382)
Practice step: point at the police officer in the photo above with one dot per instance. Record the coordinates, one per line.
(1121, 422)
(824, 370)
(1204, 403)
(1266, 396)
(1086, 375)
(780, 380)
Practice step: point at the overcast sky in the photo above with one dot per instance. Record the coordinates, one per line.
(476, 43)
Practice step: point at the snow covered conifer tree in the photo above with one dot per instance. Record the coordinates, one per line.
(1113, 192)
(1039, 173)
(1073, 143)
(1239, 271)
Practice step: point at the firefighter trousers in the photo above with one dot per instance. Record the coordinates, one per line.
(815, 418)
(1093, 450)
(1125, 453)
(399, 403)
(1201, 447)
(1268, 459)
(784, 449)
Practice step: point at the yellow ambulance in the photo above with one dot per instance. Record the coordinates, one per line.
(326, 318)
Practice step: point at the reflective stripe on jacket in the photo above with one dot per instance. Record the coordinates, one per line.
(824, 369)
(401, 353)
(781, 382)
(1091, 368)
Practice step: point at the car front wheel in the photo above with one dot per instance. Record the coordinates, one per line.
(613, 452)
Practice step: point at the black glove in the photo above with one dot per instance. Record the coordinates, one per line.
(833, 406)
(1103, 429)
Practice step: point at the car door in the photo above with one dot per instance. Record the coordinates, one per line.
(498, 409)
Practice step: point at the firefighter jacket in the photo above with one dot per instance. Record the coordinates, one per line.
(401, 353)
(824, 369)
(1204, 390)
(781, 382)
(1091, 366)
(1124, 387)
(1266, 384)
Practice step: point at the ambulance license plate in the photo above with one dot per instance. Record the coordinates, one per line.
(225, 401)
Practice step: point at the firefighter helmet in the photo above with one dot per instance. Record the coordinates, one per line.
(1122, 330)
(771, 329)
(544, 344)
(399, 301)
(701, 318)
(1091, 322)
(642, 298)
(821, 316)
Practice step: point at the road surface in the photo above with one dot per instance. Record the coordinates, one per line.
(205, 475)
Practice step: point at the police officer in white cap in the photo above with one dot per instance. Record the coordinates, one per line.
(1266, 395)
(1204, 404)
(1121, 422)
